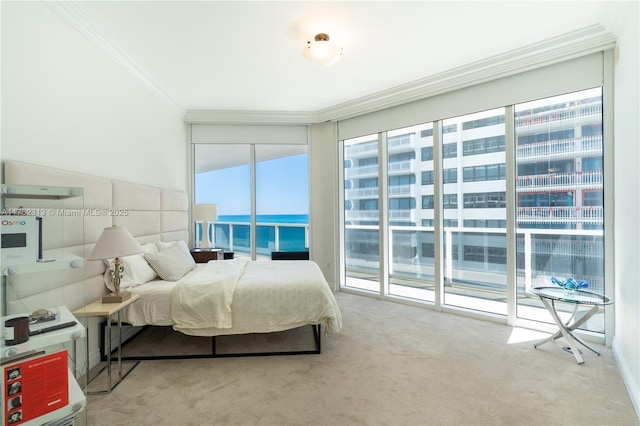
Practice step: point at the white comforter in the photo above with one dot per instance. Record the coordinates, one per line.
(268, 296)
(202, 299)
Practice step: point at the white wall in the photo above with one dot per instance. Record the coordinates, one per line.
(323, 200)
(626, 343)
(68, 105)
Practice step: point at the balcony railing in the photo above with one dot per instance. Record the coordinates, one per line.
(560, 215)
(368, 193)
(373, 215)
(565, 148)
(563, 253)
(547, 118)
(234, 237)
(592, 179)
(394, 168)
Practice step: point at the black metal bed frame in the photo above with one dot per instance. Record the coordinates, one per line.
(317, 338)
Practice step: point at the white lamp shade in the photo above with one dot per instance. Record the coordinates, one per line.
(115, 241)
(205, 212)
(322, 51)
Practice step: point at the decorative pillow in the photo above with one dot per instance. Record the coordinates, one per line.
(136, 269)
(163, 245)
(172, 263)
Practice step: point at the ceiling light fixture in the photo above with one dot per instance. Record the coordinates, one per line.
(322, 51)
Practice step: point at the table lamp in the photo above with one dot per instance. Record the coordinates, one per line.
(115, 242)
(205, 213)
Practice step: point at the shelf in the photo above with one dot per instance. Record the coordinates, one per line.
(44, 340)
(73, 263)
(40, 192)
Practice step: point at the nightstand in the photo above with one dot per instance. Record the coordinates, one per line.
(99, 309)
(203, 255)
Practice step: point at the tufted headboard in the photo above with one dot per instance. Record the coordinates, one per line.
(149, 213)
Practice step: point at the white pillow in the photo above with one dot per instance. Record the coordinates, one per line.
(136, 269)
(172, 263)
(163, 245)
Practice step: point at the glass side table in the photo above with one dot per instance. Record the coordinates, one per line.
(550, 295)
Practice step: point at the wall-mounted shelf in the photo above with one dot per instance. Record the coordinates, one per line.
(44, 266)
(40, 192)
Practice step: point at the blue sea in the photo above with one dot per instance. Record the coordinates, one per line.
(266, 218)
(232, 233)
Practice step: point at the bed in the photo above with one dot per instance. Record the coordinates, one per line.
(230, 296)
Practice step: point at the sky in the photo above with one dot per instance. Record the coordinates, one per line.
(281, 187)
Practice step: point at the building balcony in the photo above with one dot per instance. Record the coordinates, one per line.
(362, 150)
(560, 215)
(592, 179)
(361, 172)
(585, 146)
(560, 119)
(400, 144)
(361, 193)
(374, 215)
(369, 193)
(394, 169)
(395, 145)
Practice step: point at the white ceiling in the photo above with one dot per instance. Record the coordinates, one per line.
(246, 56)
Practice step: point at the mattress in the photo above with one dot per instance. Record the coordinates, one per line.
(267, 297)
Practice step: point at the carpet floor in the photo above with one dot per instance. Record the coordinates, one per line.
(390, 365)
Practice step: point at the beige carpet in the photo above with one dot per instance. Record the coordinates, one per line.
(390, 365)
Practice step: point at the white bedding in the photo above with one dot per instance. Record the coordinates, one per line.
(268, 296)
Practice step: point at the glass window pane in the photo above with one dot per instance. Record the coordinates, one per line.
(560, 191)
(361, 223)
(411, 245)
(475, 256)
(282, 199)
(223, 177)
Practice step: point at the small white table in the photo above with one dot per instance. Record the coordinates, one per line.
(99, 309)
(549, 295)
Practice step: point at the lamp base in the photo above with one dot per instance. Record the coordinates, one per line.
(116, 297)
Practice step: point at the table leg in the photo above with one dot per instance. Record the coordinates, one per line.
(87, 379)
(565, 329)
(109, 353)
(119, 348)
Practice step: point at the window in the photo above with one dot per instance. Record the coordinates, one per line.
(281, 196)
(557, 203)
(555, 198)
(427, 153)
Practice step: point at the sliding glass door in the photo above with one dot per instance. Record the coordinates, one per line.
(282, 199)
(232, 176)
(410, 215)
(560, 198)
(222, 176)
(361, 213)
(425, 215)
(474, 232)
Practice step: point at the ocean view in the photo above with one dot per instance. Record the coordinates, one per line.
(287, 232)
(266, 218)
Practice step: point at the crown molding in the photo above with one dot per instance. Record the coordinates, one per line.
(73, 15)
(571, 45)
(250, 117)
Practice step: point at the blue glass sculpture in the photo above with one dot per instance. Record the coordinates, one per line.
(570, 283)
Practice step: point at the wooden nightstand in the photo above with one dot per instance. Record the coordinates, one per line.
(203, 255)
